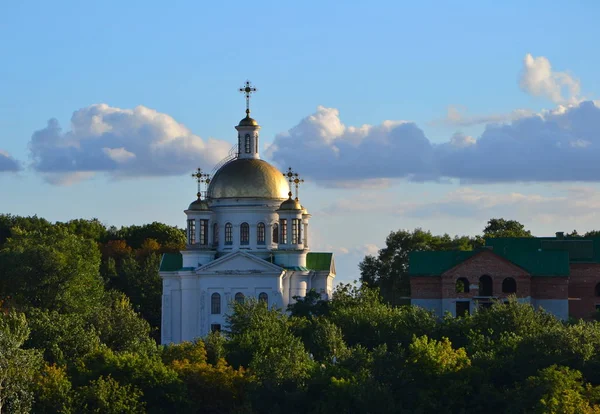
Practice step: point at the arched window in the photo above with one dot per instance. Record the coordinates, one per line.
(509, 285)
(215, 234)
(244, 233)
(485, 286)
(247, 144)
(239, 297)
(228, 234)
(597, 290)
(215, 304)
(462, 285)
(260, 233)
(283, 226)
(263, 297)
(275, 233)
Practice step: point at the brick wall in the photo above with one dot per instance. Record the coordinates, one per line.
(582, 284)
(550, 287)
(425, 287)
(485, 263)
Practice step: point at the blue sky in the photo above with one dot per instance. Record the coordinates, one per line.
(486, 133)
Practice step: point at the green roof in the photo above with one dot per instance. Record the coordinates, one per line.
(579, 249)
(541, 263)
(171, 262)
(430, 263)
(319, 261)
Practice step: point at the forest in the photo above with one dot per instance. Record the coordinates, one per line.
(80, 318)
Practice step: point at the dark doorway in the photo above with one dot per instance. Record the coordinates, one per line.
(462, 308)
(485, 286)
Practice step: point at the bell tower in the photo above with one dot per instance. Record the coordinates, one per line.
(248, 146)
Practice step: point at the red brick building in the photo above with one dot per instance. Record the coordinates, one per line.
(560, 274)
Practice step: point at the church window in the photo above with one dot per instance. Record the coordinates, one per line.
(263, 297)
(228, 234)
(244, 233)
(216, 234)
(485, 286)
(283, 225)
(215, 327)
(247, 144)
(203, 232)
(215, 304)
(509, 285)
(462, 285)
(256, 145)
(239, 297)
(295, 231)
(260, 233)
(275, 233)
(191, 231)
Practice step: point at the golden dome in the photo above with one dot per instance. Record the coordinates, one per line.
(290, 204)
(248, 121)
(198, 205)
(248, 178)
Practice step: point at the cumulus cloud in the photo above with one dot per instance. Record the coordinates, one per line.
(8, 163)
(558, 145)
(538, 79)
(121, 142)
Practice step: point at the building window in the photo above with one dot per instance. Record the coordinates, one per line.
(247, 144)
(260, 233)
(228, 234)
(239, 297)
(485, 305)
(509, 285)
(216, 234)
(215, 327)
(244, 233)
(485, 286)
(462, 308)
(192, 231)
(597, 290)
(215, 304)
(462, 285)
(275, 233)
(256, 145)
(263, 297)
(203, 232)
(295, 231)
(283, 226)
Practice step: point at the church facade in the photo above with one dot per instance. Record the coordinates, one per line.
(248, 237)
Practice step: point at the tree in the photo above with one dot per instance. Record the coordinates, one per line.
(53, 270)
(389, 270)
(105, 395)
(17, 366)
(505, 228)
(53, 391)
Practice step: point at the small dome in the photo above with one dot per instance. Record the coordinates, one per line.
(198, 205)
(248, 121)
(248, 178)
(290, 204)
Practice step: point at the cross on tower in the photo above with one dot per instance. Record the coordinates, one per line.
(294, 179)
(247, 90)
(201, 178)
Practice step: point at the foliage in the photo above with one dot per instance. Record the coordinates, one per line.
(505, 228)
(105, 395)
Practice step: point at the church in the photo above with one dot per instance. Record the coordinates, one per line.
(247, 237)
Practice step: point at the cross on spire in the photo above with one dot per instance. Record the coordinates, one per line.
(248, 90)
(201, 178)
(294, 179)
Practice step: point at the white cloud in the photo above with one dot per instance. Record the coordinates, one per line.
(557, 145)
(121, 142)
(8, 163)
(538, 79)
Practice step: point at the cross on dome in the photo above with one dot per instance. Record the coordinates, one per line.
(201, 178)
(294, 179)
(248, 90)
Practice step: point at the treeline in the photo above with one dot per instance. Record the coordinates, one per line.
(75, 337)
